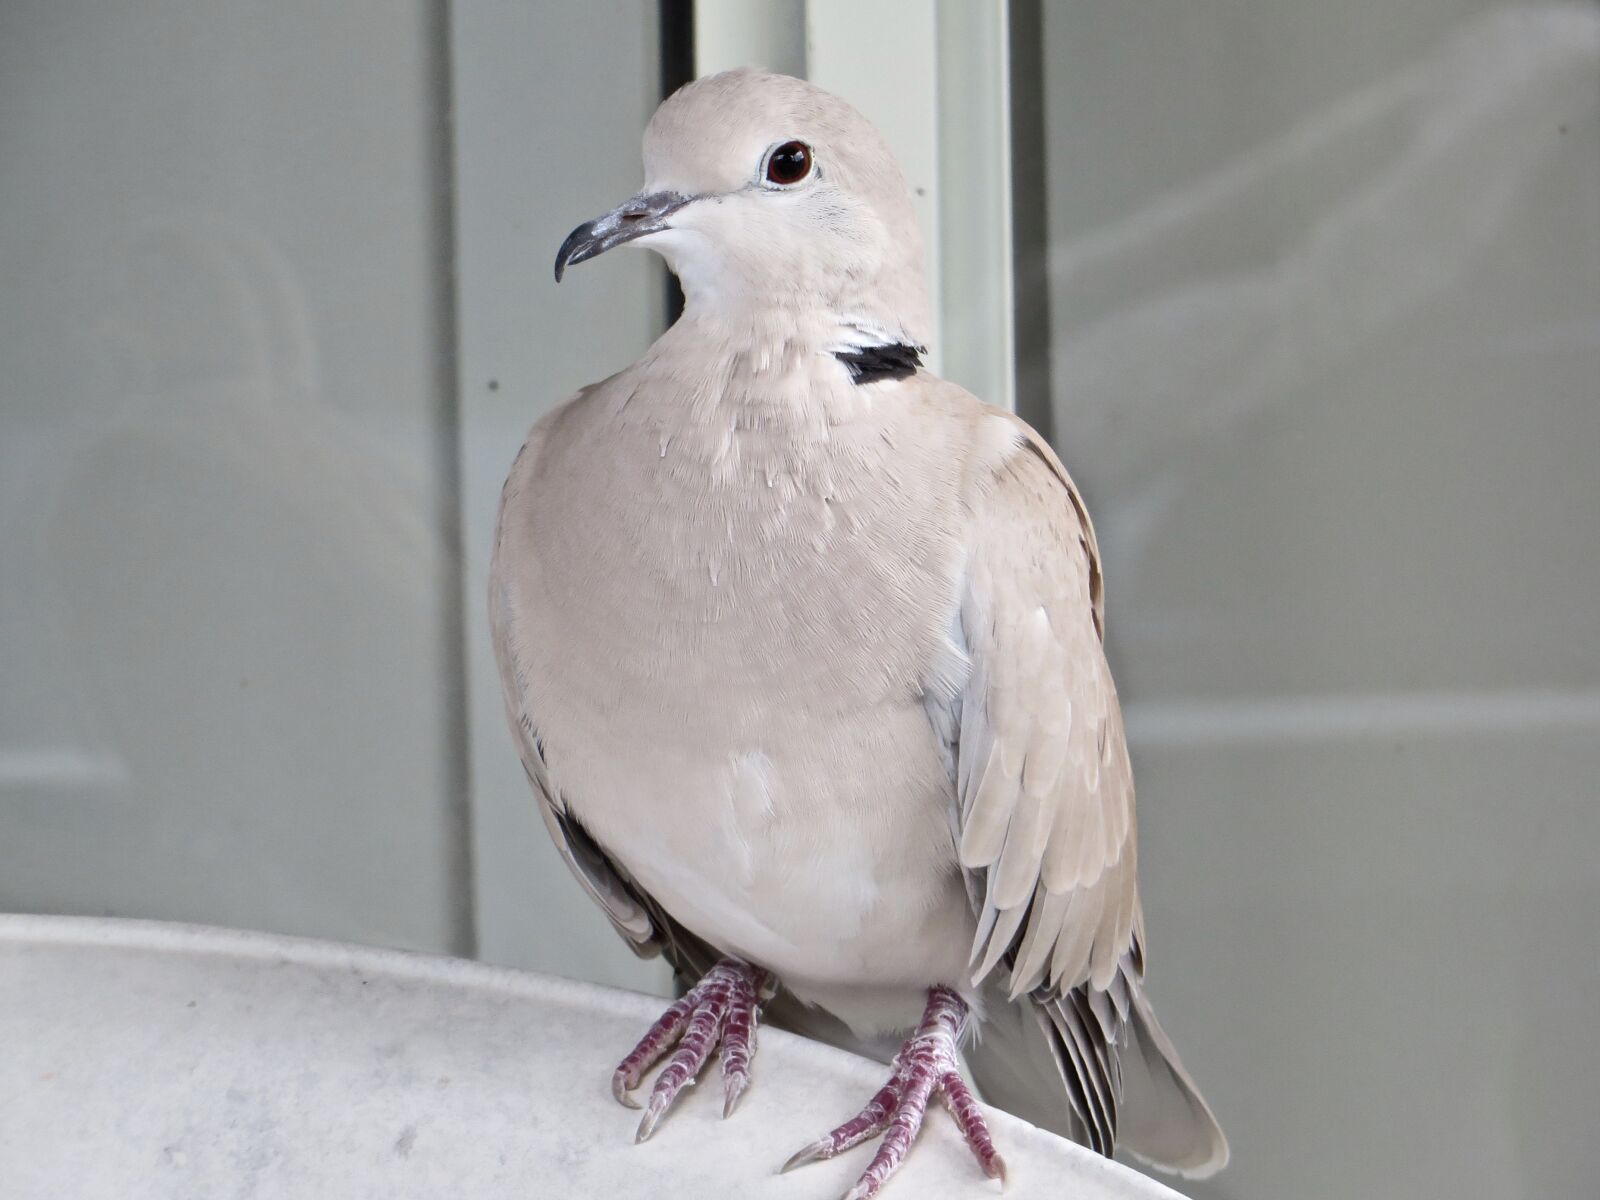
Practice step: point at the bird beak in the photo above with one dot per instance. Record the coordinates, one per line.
(634, 219)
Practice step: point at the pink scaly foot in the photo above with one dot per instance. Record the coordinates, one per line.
(722, 1007)
(925, 1065)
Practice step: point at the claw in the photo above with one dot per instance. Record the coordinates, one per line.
(721, 1008)
(819, 1149)
(657, 1041)
(659, 1103)
(619, 1089)
(682, 1067)
(925, 1066)
(738, 1042)
(732, 1088)
(869, 1122)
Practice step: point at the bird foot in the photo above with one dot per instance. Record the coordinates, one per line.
(926, 1065)
(721, 1008)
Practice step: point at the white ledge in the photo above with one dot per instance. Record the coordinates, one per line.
(143, 1060)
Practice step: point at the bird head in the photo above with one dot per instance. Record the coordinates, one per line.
(769, 197)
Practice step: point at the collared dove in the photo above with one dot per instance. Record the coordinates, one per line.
(801, 646)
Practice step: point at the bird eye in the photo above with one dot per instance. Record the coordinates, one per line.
(788, 164)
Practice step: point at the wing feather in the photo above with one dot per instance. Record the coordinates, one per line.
(1046, 795)
(607, 886)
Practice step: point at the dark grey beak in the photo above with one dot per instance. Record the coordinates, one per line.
(634, 219)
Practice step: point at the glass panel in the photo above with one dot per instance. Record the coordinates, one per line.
(1325, 308)
(229, 606)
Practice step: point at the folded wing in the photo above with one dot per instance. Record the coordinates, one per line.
(1046, 832)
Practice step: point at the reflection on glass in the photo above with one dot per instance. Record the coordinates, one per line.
(1325, 293)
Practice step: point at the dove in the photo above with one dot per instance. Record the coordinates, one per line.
(801, 647)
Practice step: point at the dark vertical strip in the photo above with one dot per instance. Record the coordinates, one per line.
(677, 68)
(456, 836)
(1030, 239)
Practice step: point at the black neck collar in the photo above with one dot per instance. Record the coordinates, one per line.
(870, 364)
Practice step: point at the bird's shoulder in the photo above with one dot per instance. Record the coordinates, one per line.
(1013, 477)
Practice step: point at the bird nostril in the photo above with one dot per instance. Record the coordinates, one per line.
(635, 215)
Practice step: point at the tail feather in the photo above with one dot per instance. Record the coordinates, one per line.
(1166, 1121)
(1052, 1061)
(1021, 1066)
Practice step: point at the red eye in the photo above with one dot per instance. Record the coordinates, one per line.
(789, 163)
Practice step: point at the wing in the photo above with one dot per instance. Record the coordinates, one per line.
(1047, 836)
(1046, 821)
(1045, 787)
(632, 912)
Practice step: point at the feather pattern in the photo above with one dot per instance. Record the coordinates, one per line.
(1047, 833)
(1045, 790)
(1049, 822)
